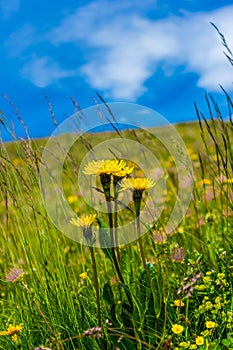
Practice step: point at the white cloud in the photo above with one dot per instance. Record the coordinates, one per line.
(7, 8)
(124, 48)
(43, 71)
(18, 41)
(201, 50)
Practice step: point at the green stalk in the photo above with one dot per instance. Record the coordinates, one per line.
(96, 284)
(106, 183)
(137, 197)
(115, 181)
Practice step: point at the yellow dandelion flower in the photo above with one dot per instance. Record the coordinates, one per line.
(177, 329)
(83, 275)
(93, 167)
(116, 168)
(12, 330)
(113, 167)
(206, 182)
(180, 229)
(110, 167)
(194, 156)
(84, 221)
(137, 184)
(4, 333)
(210, 324)
(178, 303)
(72, 199)
(199, 340)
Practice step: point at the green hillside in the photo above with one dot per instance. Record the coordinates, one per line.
(161, 290)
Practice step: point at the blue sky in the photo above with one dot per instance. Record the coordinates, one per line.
(161, 54)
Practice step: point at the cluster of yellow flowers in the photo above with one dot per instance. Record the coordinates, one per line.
(198, 342)
(13, 331)
(118, 168)
(199, 339)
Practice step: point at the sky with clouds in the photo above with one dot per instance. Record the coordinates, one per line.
(161, 54)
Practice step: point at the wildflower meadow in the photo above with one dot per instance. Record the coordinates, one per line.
(100, 264)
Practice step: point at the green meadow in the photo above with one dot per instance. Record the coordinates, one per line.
(144, 287)
(161, 291)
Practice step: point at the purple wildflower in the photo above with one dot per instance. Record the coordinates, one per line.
(95, 332)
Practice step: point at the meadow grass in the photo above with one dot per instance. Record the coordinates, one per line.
(48, 281)
(161, 291)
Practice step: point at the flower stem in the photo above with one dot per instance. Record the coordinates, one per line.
(137, 196)
(106, 183)
(115, 182)
(115, 261)
(96, 284)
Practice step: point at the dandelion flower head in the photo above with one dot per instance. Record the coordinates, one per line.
(84, 221)
(113, 167)
(13, 331)
(137, 184)
(178, 303)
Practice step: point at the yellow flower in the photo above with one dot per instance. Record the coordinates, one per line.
(72, 199)
(206, 181)
(84, 221)
(194, 156)
(4, 333)
(113, 167)
(93, 167)
(184, 344)
(137, 184)
(176, 328)
(14, 337)
(180, 229)
(208, 273)
(83, 275)
(178, 303)
(12, 330)
(230, 180)
(206, 279)
(210, 324)
(116, 167)
(199, 340)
